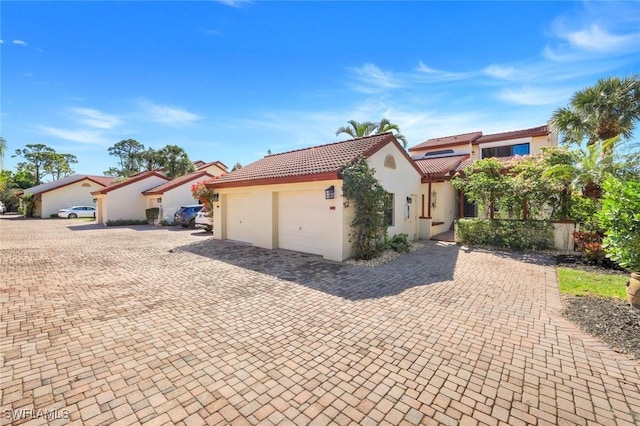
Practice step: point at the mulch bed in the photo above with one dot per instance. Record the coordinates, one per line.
(613, 321)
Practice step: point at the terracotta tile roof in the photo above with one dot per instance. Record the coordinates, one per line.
(217, 163)
(50, 186)
(440, 167)
(534, 131)
(175, 182)
(462, 139)
(321, 162)
(135, 178)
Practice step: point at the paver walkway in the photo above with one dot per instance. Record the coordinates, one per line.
(166, 326)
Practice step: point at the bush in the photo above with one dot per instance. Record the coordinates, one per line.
(126, 222)
(54, 215)
(511, 234)
(152, 214)
(399, 243)
(590, 245)
(620, 218)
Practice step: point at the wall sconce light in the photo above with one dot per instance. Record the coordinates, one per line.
(95, 200)
(159, 200)
(216, 197)
(330, 193)
(408, 200)
(434, 195)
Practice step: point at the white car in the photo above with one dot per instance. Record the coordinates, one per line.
(77, 211)
(204, 219)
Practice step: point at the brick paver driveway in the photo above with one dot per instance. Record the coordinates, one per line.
(166, 326)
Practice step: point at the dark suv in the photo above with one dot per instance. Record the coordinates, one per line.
(186, 215)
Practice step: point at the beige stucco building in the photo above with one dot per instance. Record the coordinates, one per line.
(294, 200)
(74, 190)
(124, 200)
(440, 158)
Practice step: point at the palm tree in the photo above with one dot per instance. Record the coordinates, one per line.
(357, 130)
(366, 128)
(601, 112)
(386, 126)
(3, 148)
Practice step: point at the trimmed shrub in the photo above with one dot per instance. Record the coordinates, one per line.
(126, 222)
(511, 234)
(54, 215)
(152, 215)
(399, 243)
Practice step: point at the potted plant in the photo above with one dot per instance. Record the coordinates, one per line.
(620, 218)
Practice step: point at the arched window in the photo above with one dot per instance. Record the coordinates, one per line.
(390, 162)
(86, 185)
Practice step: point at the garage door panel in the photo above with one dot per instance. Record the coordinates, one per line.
(238, 218)
(300, 221)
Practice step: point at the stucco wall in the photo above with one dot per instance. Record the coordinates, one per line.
(263, 206)
(444, 211)
(404, 183)
(67, 196)
(175, 198)
(127, 202)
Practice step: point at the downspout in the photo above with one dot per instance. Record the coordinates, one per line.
(429, 199)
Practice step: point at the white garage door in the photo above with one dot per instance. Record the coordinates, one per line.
(238, 218)
(299, 221)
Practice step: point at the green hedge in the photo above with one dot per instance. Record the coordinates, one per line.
(126, 222)
(511, 234)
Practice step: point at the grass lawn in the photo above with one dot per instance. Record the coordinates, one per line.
(580, 283)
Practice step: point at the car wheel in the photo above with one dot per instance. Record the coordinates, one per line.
(192, 223)
(72, 215)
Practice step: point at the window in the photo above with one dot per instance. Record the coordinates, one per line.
(390, 162)
(86, 185)
(506, 151)
(388, 213)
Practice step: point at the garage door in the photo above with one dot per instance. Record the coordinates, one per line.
(239, 218)
(299, 221)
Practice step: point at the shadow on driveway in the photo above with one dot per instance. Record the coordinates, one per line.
(432, 264)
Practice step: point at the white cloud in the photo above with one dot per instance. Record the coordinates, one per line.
(372, 79)
(438, 75)
(89, 137)
(234, 3)
(96, 119)
(596, 39)
(499, 71)
(20, 42)
(1, 41)
(531, 96)
(167, 114)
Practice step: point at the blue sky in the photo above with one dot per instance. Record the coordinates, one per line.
(230, 80)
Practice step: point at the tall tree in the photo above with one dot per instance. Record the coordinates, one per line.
(128, 153)
(150, 159)
(3, 148)
(38, 157)
(386, 126)
(3, 179)
(600, 112)
(236, 166)
(60, 165)
(175, 161)
(356, 129)
(367, 128)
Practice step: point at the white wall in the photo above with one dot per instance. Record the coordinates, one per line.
(175, 198)
(67, 196)
(403, 182)
(127, 202)
(263, 205)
